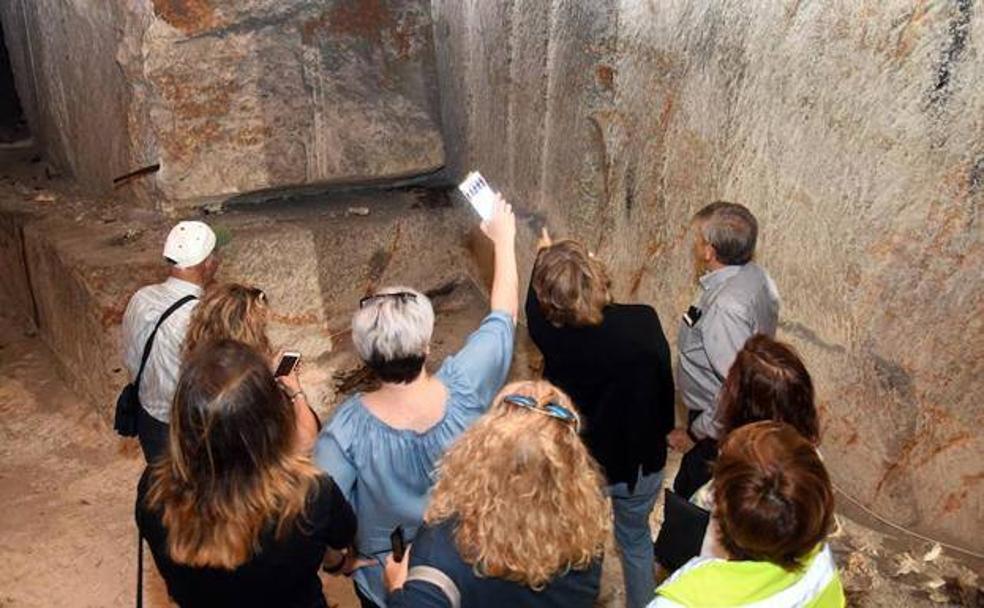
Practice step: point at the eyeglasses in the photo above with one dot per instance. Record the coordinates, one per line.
(550, 408)
(402, 296)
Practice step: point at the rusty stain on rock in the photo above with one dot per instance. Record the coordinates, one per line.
(189, 16)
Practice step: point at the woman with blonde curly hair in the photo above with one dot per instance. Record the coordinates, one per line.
(233, 311)
(518, 516)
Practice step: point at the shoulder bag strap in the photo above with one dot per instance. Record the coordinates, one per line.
(150, 339)
(139, 569)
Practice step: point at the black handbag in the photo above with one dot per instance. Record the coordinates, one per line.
(128, 403)
(682, 533)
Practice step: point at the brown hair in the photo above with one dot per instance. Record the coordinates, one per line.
(768, 381)
(571, 285)
(230, 311)
(527, 497)
(231, 468)
(772, 497)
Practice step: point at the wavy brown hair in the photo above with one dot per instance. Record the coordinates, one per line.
(571, 285)
(772, 496)
(230, 311)
(230, 470)
(526, 497)
(768, 381)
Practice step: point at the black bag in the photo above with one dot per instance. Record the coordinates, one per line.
(128, 403)
(682, 533)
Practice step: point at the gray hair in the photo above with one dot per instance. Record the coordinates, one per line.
(730, 229)
(388, 328)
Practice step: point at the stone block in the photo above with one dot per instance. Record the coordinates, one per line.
(229, 98)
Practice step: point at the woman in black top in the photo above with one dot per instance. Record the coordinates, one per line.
(614, 362)
(517, 517)
(233, 515)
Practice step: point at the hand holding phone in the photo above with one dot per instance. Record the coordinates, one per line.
(398, 544)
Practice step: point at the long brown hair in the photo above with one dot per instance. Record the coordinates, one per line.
(768, 381)
(231, 468)
(571, 285)
(527, 497)
(772, 496)
(230, 311)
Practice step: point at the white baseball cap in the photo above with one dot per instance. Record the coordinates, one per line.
(189, 244)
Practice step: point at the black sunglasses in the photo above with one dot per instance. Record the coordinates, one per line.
(554, 410)
(402, 296)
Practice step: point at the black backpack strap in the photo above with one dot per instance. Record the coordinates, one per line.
(150, 339)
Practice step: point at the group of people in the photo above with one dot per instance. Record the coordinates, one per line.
(505, 494)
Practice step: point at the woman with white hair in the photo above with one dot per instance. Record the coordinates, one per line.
(382, 447)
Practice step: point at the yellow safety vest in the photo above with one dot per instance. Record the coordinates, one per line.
(717, 583)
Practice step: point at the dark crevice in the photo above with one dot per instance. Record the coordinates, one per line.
(13, 126)
(959, 32)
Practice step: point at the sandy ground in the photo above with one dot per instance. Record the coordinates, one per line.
(67, 483)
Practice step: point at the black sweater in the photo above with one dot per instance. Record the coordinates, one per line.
(619, 375)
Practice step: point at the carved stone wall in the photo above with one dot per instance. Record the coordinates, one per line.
(229, 97)
(853, 130)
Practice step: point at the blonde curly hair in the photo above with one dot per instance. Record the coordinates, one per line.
(230, 311)
(527, 498)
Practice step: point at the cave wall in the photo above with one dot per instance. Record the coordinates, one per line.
(228, 97)
(854, 131)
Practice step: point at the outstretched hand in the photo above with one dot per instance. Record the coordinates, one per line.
(501, 227)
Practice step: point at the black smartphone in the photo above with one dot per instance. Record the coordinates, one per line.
(287, 364)
(398, 543)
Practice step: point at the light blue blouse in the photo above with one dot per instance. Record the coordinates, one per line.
(386, 473)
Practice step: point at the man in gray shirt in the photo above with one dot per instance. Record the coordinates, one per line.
(737, 299)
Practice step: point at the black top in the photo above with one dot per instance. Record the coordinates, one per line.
(434, 547)
(282, 573)
(619, 375)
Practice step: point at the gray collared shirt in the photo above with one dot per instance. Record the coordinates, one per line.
(160, 377)
(736, 302)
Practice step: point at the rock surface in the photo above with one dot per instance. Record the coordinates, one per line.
(229, 98)
(852, 131)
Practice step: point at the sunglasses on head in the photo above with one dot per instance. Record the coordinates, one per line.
(552, 409)
(402, 296)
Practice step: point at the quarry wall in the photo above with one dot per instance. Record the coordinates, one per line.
(854, 131)
(228, 97)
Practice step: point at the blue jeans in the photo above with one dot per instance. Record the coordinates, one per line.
(634, 537)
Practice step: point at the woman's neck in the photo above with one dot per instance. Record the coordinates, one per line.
(417, 405)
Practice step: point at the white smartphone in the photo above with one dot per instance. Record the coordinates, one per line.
(479, 194)
(287, 363)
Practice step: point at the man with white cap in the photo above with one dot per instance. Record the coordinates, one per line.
(167, 306)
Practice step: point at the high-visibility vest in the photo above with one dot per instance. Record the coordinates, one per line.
(718, 583)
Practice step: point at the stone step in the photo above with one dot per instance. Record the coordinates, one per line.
(72, 264)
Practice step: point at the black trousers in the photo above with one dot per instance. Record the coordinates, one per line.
(695, 468)
(152, 434)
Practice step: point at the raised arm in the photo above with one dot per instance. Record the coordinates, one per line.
(501, 230)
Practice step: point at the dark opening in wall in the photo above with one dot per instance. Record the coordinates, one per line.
(13, 127)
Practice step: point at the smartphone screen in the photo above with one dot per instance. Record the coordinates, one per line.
(287, 364)
(398, 544)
